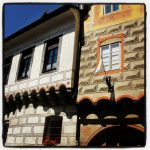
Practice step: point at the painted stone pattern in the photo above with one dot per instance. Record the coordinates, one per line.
(127, 83)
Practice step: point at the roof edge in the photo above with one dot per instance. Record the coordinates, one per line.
(40, 20)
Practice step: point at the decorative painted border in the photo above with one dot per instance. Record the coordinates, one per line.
(108, 98)
(121, 36)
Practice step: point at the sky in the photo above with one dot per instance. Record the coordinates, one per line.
(17, 16)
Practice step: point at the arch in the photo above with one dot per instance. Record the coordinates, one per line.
(92, 116)
(141, 96)
(25, 93)
(131, 116)
(33, 92)
(62, 89)
(96, 132)
(125, 96)
(42, 90)
(11, 96)
(51, 89)
(62, 86)
(85, 98)
(102, 98)
(125, 106)
(137, 127)
(85, 107)
(85, 101)
(118, 136)
(106, 107)
(17, 95)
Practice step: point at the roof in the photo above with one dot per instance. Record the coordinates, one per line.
(44, 18)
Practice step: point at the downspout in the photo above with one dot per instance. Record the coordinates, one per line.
(76, 14)
(77, 49)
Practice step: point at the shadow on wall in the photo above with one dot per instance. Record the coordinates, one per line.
(47, 99)
(118, 136)
(121, 109)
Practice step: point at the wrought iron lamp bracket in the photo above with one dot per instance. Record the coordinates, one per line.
(107, 80)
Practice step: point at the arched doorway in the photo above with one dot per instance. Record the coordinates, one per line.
(118, 136)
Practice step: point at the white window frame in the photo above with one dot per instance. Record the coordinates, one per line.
(110, 56)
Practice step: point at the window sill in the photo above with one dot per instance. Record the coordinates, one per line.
(109, 72)
(22, 78)
(111, 12)
(49, 71)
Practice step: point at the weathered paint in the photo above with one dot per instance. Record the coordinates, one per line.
(98, 20)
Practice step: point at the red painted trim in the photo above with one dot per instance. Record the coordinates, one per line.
(129, 96)
(108, 98)
(141, 96)
(101, 98)
(136, 127)
(96, 132)
(85, 97)
(125, 96)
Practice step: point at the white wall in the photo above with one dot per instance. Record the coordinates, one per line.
(14, 69)
(67, 50)
(65, 64)
(37, 60)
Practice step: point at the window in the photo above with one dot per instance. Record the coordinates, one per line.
(110, 54)
(52, 130)
(25, 64)
(51, 54)
(109, 8)
(7, 66)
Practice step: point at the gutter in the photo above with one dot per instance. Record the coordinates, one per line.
(79, 41)
(77, 49)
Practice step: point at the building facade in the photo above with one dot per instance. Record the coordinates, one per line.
(75, 77)
(39, 77)
(111, 96)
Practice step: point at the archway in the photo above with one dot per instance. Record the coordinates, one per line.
(121, 136)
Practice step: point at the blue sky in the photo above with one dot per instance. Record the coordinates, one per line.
(17, 16)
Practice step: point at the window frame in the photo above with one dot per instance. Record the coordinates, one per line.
(21, 62)
(112, 9)
(49, 44)
(50, 123)
(117, 38)
(110, 54)
(10, 58)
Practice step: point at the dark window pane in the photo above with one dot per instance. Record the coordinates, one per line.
(7, 66)
(25, 64)
(51, 54)
(52, 129)
(51, 60)
(55, 55)
(107, 8)
(6, 73)
(115, 7)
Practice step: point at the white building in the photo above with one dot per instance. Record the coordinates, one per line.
(40, 77)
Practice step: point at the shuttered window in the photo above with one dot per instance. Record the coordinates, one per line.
(52, 130)
(110, 56)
